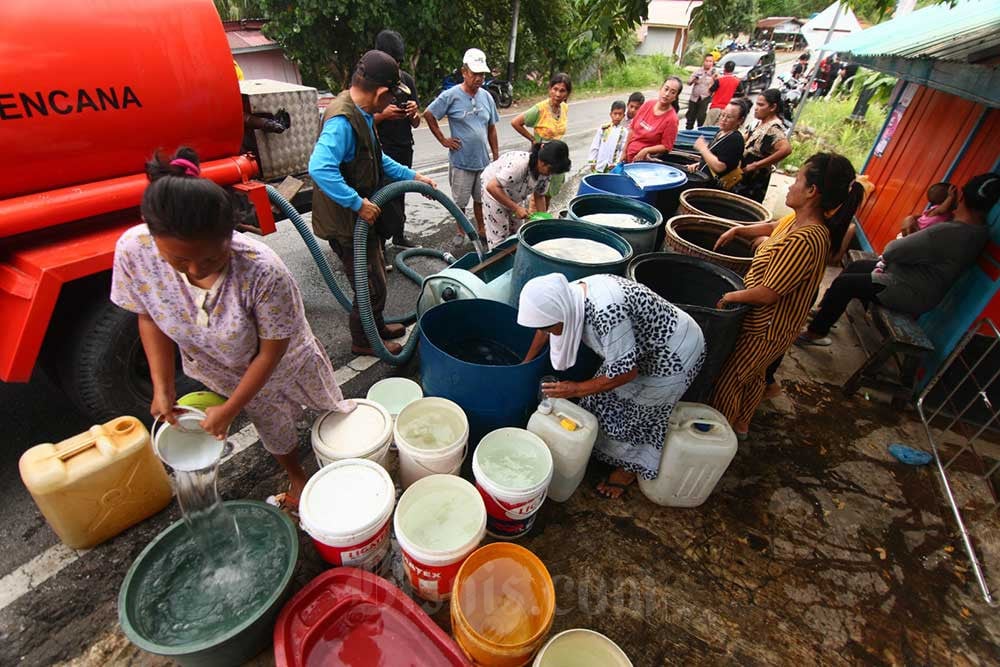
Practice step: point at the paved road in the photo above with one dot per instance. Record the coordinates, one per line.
(54, 602)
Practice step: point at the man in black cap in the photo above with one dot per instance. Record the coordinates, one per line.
(395, 127)
(347, 167)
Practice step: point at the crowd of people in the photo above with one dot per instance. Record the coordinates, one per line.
(234, 312)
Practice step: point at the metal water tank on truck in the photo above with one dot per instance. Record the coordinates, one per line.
(87, 93)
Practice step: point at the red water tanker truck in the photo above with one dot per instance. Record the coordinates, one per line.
(89, 91)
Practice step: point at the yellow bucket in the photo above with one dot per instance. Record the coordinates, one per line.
(502, 606)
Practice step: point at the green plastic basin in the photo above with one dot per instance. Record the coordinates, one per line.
(163, 610)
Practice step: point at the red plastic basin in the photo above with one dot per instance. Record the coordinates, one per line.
(354, 618)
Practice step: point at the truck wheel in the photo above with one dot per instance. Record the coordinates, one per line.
(103, 369)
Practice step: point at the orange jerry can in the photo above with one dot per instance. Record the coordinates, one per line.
(96, 484)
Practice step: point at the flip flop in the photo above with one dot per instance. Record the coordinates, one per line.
(909, 455)
(285, 503)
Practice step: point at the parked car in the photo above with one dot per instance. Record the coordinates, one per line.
(754, 68)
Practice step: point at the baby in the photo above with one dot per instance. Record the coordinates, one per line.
(940, 208)
(608, 147)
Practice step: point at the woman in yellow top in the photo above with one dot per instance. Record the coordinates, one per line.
(783, 278)
(548, 120)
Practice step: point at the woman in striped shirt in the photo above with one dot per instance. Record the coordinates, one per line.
(783, 278)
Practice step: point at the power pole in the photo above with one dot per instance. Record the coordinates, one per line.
(819, 57)
(511, 51)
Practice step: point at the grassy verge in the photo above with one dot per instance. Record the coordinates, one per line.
(637, 73)
(825, 126)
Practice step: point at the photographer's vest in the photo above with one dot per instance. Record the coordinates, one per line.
(330, 220)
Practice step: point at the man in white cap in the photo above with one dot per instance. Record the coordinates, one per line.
(472, 118)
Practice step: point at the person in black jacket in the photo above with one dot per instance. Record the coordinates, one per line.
(395, 130)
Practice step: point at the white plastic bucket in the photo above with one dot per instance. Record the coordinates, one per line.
(581, 648)
(186, 446)
(394, 394)
(345, 509)
(363, 433)
(513, 468)
(439, 521)
(432, 436)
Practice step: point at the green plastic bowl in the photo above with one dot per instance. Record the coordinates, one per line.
(248, 634)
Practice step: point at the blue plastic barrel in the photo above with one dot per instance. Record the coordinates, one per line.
(491, 396)
(529, 263)
(613, 184)
(642, 239)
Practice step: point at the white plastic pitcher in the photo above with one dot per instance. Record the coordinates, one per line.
(699, 447)
(186, 446)
(569, 432)
(432, 436)
(581, 648)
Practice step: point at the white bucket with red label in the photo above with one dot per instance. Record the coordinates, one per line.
(513, 468)
(345, 509)
(439, 521)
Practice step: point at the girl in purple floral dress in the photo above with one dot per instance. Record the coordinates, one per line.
(230, 305)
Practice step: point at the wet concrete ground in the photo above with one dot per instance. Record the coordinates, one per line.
(817, 547)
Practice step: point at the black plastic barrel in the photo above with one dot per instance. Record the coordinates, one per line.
(695, 286)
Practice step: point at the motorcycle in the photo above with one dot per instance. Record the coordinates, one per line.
(501, 91)
(791, 94)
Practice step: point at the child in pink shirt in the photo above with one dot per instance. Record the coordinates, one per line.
(940, 208)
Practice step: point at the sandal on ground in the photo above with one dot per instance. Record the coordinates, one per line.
(805, 341)
(285, 503)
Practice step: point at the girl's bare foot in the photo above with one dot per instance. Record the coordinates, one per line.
(773, 390)
(616, 483)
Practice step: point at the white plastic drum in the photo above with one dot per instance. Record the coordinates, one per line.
(364, 433)
(345, 509)
(431, 435)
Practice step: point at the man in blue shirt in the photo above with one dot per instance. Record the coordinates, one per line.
(472, 118)
(347, 167)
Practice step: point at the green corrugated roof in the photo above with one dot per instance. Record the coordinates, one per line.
(966, 33)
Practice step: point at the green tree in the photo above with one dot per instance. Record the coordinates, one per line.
(730, 17)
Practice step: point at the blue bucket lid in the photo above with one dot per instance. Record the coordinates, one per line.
(650, 176)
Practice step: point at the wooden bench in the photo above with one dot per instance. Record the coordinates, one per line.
(898, 338)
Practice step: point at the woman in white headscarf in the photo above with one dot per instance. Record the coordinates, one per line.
(651, 353)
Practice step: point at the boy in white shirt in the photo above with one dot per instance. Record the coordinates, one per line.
(608, 147)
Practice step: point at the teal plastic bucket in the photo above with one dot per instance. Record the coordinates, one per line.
(146, 602)
(642, 239)
(529, 263)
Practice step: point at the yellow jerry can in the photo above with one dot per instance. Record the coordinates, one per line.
(96, 484)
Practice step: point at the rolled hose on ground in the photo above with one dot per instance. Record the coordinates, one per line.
(361, 231)
(361, 275)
